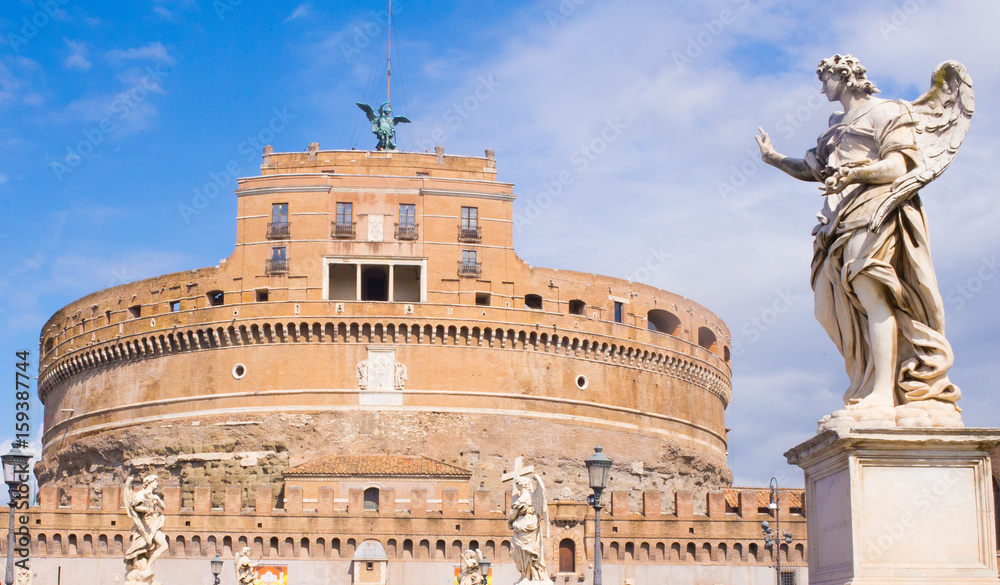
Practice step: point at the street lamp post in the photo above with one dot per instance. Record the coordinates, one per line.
(770, 535)
(217, 568)
(598, 466)
(484, 570)
(15, 466)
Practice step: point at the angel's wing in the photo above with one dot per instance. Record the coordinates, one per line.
(368, 111)
(538, 501)
(942, 114)
(400, 120)
(128, 494)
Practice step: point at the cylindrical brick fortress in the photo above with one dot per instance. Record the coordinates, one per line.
(374, 303)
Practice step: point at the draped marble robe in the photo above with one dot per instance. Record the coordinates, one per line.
(897, 255)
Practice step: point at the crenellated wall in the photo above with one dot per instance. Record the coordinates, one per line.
(410, 529)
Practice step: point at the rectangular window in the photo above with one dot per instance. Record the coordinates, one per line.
(175, 306)
(278, 253)
(345, 213)
(135, 311)
(483, 299)
(470, 217)
(262, 295)
(619, 312)
(468, 256)
(279, 213)
(407, 215)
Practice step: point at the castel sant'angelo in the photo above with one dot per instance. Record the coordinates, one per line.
(364, 367)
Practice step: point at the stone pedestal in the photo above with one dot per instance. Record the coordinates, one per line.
(900, 505)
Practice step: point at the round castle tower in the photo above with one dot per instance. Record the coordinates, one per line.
(374, 304)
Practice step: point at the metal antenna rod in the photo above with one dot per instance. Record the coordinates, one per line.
(388, 59)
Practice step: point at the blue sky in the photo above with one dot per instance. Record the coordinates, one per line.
(115, 116)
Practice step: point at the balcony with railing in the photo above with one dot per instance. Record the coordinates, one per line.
(472, 233)
(470, 268)
(277, 266)
(343, 231)
(278, 230)
(406, 232)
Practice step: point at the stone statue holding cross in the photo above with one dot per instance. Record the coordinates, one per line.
(529, 519)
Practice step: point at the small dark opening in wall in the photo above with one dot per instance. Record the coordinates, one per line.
(187, 523)
(329, 171)
(533, 301)
(114, 523)
(370, 566)
(614, 529)
(483, 299)
(423, 174)
(215, 298)
(175, 306)
(577, 307)
(135, 311)
(262, 296)
(107, 316)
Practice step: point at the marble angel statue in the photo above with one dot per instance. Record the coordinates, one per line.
(145, 509)
(468, 573)
(876, 293)
(529, 519)
(245, 567)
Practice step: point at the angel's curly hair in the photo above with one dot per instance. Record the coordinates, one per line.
(850, 69)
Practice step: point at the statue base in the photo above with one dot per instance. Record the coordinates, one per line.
(900, 505)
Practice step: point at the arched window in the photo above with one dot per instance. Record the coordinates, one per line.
(371, 499)
(567, 556)
(663, 322)
(533, 301)
(707, 339)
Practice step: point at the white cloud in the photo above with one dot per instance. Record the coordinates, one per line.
(77, 58)
(301, 11)
(3, 178)
(163, 12)
(153, 51)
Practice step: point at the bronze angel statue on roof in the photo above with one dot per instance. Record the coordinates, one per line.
(384, 124)
(876, 293)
